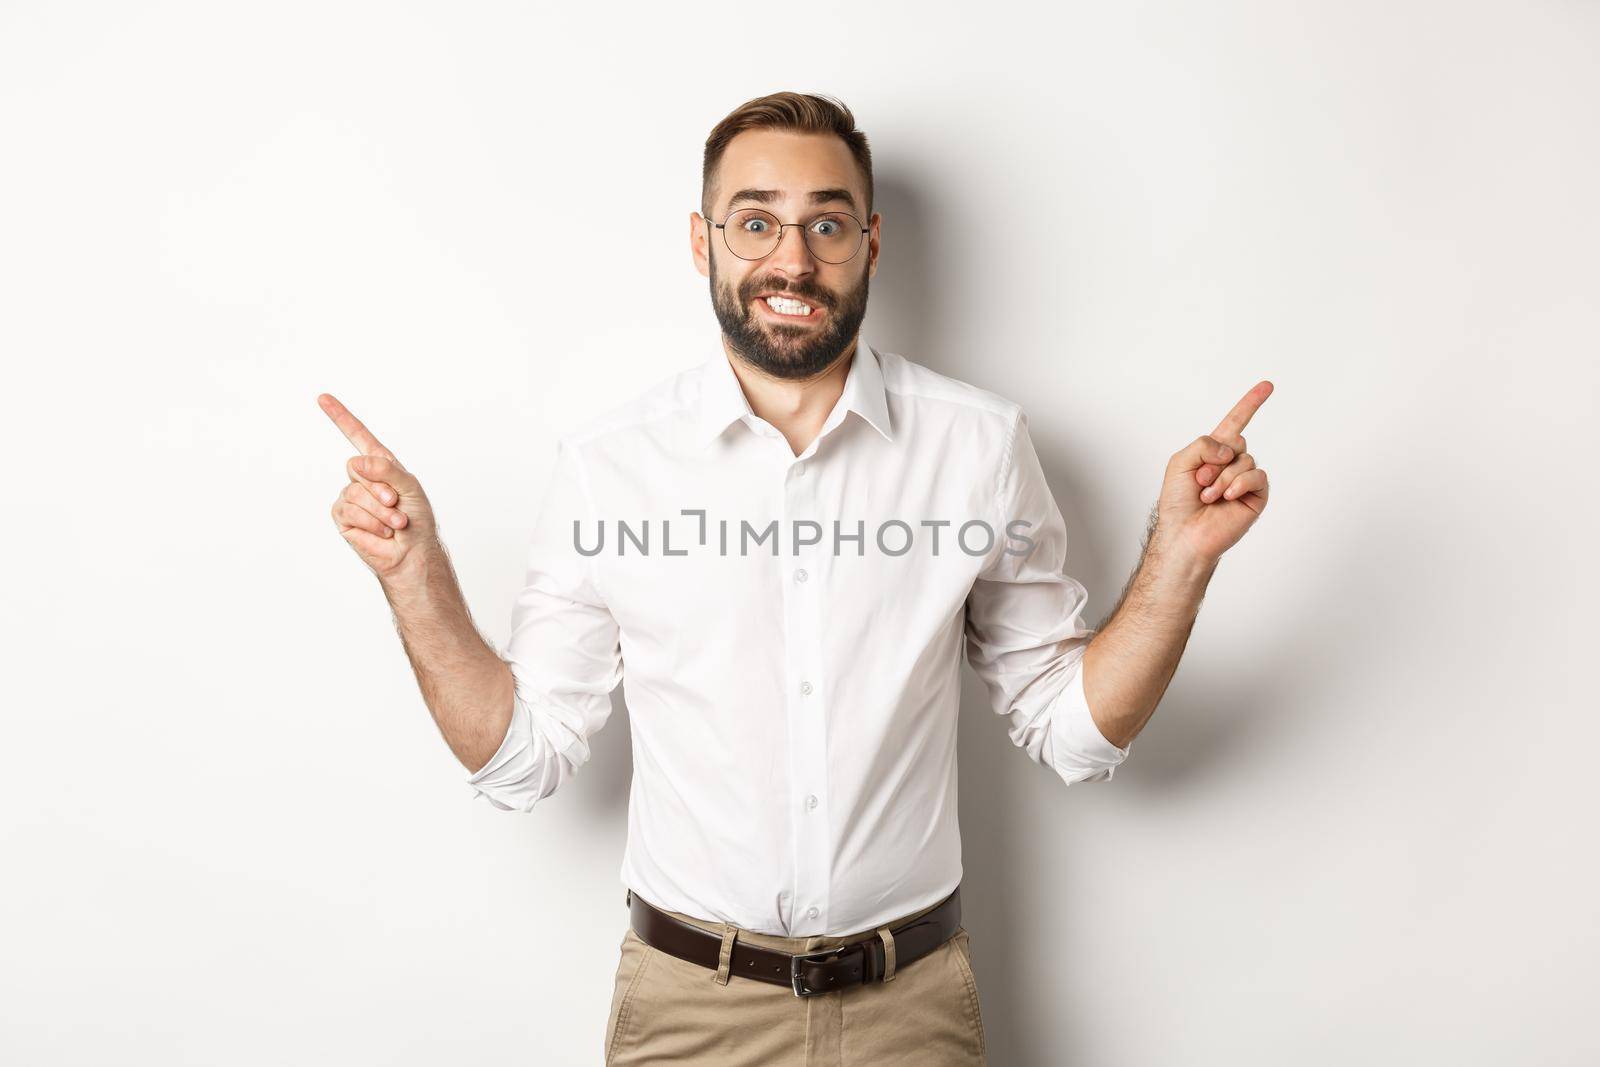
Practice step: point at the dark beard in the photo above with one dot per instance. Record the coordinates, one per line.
(792, 352)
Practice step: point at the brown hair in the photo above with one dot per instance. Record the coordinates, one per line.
(800, 112)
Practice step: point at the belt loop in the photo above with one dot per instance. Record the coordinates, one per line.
(725, 960)
(888, 952)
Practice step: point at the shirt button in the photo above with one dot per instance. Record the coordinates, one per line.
(811, 913)
(811, 801)
(805, 689)
(800, 575)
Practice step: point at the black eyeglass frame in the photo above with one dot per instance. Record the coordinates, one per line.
(723, 226)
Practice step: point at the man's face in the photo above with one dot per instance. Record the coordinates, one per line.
(793, 166)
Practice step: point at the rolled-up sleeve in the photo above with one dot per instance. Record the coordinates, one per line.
(564, 652)
(1024, 626)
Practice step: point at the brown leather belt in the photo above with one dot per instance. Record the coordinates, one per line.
(807, 973)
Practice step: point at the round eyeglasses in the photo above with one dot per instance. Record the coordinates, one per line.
(751, 233)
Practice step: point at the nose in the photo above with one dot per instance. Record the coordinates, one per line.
(792, 256)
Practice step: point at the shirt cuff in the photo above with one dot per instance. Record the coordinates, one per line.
(1080, 752)
(512, 778)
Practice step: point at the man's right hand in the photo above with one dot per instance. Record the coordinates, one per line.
(382, 513)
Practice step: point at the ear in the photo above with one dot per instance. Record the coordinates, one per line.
(872, 243)
(699, 246)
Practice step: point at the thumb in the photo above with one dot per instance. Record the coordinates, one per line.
(385, 469)
(1202, 450)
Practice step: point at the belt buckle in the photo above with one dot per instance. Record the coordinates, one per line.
(822, 953)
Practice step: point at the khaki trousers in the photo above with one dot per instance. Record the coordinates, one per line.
(667, 1010)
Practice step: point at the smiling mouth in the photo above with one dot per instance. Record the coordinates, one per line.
(788, 309)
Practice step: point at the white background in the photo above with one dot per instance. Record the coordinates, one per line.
(1359, 829)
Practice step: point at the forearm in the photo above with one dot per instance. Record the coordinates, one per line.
(1134, 655)
(466, 685)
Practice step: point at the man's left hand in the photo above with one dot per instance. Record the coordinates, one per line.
(1213, 491)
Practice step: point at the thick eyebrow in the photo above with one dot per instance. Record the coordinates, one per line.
(769, 196)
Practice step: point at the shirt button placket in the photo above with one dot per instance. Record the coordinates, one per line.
(808, 725)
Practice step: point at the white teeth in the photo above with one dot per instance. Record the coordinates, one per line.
(788, 307)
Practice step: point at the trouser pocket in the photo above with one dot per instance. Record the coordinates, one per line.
(963, 952)
(634, 954)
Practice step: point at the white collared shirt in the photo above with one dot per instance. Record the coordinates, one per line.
(793, 696)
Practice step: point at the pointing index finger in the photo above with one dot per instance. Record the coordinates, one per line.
(352, 427)
(1233, 423)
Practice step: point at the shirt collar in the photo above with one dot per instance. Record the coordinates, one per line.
(722, 399)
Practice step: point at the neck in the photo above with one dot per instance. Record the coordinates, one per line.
(797, 409)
